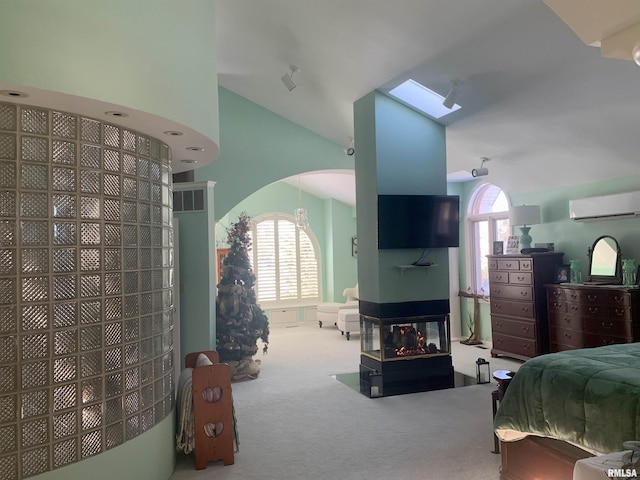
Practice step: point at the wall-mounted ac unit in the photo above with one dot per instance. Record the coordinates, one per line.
(617, 206)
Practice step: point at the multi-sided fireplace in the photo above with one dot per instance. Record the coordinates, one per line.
(405, 354)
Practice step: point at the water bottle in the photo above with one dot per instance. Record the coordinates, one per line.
(628, 271)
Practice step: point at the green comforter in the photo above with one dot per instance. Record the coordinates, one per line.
(588, 397)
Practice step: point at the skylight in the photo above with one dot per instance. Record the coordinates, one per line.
(420, 97)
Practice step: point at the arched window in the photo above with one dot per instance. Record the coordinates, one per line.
(488, 221)
(286, 261)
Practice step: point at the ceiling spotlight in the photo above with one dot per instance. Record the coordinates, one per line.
(636, 54)
(195, 149)
(287, 78)
(349, 150)
(453, 95)
(482, 171)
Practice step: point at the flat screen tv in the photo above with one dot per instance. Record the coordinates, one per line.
(418, 221)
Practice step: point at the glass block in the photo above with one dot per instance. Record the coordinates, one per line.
(128, 140)
(130, 235)
(35, 461)
(8, 204)
(7, 261)
(165, 153)
(8, 439)
(112, 234)
(8, 146)
(113, 386)
(111, 185)
(89, 233)
(34, 177)
(8, 349)
(35, 374)
(112, 259)
(91, 444)
(130, 306)
(111, 160)
(145, 281)
(112, 136)
(131, 353)
(35, 317)
(156, 258)
(146, 375)
(65, 342)
(113, 359)
(7, 231)
(64, 206)
(143, 167)
(146, 419)
(65, 315)
(90, 156)
(114, 435)
(33, 120)
(146, 396)
(34, 149)
(145, 213)
(154, 149)
(90, 286)
(90, 312)
(154, 171)
(64, 233)
(131, 378)
(131, 403)
(111, 210)
(35, 260)
(34, 403)
(165, 175)
(91, 337)
(64, 424)
(35, 432)
(89, 181)
(131, 332)
(65, 369)
(112, 308)
(129, 212)
(129, 164)
(8, 412)
(63, 152)
(64, 125)
(113, 333)
(90, 130)
(7, 291)
(145, 303)
(91, 417)
(64, 259)
(65, 452)
(113, 411)
(132, 427)
(8, 379)
(90, 208)
(8, 320)
(130, 258)
(131, 282)
(34, 205)
(112, 284)
(64, 397)
(129, 187)
(65, 287)
(156, 193)
(35, 289)
(89, 259)
(7, 175)
(146, 350)
(91, 365)
(166, 216)
(35, 346)
(144, 190)
(64, 179)
(8, 117)
(145, 258)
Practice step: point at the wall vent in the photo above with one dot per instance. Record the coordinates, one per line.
(192, 200)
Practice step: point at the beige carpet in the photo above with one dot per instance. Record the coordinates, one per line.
(296, 421)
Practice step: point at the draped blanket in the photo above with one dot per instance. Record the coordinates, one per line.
(588, 397)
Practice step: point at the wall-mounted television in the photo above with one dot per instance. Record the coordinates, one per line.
(418, 221)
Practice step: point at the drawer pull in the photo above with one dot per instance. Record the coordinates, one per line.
(567, 319)
(524, 309)
(607, 325)
(620, 312)
(557, 293)
(498, 324)
(508, 265)
(521, 279)
(593, 309)
(575, 307)
(567, 335)
(618, 299)
(498, 277)
(526, 329)
(524, 294)
(526, 346)
(574, 295)
(592, 297)
(526, 265)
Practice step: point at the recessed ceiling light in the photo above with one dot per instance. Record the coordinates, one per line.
(195, 149)
(114, 113)
(422, 98)
(13, 93)
(188, 160)
(173, 133)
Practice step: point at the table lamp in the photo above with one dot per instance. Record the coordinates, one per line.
(524, 215)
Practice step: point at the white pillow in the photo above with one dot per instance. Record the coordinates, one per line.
(203, 360)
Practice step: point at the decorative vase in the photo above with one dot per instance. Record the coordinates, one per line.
(576, 271)
(628, 271)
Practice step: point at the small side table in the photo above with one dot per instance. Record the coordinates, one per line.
(503, 377)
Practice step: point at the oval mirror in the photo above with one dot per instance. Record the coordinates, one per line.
(605, 261)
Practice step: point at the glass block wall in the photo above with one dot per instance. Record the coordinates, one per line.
(86, 276)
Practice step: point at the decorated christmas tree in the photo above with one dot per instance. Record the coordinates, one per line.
(240, 321)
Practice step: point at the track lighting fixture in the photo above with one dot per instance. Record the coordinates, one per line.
(349, 150)
(482, 171)
(287, 78)
(453, 95)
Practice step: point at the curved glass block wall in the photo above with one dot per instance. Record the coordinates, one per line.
(86, 276)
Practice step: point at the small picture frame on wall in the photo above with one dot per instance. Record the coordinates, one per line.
(498, 248)
(562, 273)
(513, 244)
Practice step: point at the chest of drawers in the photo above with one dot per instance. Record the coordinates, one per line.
(519, 327)
(583, 316)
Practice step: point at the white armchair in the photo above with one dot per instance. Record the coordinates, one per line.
(327, 313)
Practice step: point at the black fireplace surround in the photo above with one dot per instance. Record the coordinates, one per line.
(405, 347)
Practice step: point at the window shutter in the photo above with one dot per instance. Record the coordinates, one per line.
(266, 261)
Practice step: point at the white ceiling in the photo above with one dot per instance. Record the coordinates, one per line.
(547, 109)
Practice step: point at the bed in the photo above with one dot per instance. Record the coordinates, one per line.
(566, 406)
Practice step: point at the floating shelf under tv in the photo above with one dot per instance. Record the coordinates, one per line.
(402, 268)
